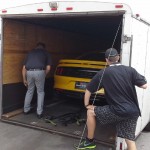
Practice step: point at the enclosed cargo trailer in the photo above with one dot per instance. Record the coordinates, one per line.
(69, 29)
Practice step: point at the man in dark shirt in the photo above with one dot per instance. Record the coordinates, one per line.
(119, 83)
(36, 66)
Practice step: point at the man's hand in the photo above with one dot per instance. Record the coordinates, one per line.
(25, 83)
(24, 72)
(48, 68)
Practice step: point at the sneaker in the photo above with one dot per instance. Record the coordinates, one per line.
(85, 144)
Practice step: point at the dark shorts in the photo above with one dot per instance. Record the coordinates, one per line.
(125, 126)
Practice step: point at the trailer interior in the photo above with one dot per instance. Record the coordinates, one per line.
(65, 36)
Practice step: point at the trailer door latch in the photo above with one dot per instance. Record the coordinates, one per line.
(125, 39)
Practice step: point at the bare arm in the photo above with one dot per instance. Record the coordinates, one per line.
(143, 86)
(87, 97)
(48, 68)
(24, 71)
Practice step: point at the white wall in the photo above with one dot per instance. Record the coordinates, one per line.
(138, 6)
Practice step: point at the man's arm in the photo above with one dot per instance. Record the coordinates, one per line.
(48, 68)
(139, 80)
(143, 86)
(24, 72)
(87, 97)
(48, 63)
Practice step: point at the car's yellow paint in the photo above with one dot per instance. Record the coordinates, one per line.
(68, 83)
(81, 63)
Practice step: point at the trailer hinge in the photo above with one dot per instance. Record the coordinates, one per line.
(125, 39)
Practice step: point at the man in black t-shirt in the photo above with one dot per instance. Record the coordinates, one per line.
(119, 83)
(36, 66)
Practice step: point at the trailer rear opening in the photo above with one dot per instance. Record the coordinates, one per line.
(65, 36)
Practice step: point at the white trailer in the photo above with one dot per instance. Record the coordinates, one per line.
(70, 28)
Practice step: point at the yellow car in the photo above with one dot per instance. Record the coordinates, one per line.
(72, 75)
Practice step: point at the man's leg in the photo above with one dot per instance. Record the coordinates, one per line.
(40, 81)
(91, 123)
(89, 143)
(30, 91)
(126, 129)
(131, 144)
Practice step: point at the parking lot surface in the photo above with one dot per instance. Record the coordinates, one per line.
(14, 137)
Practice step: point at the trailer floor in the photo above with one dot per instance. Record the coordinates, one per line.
(105, 135)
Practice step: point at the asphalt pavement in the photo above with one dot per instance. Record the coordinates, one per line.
(14, 137)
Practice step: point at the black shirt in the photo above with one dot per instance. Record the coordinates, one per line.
(119, 83)
(37, 59)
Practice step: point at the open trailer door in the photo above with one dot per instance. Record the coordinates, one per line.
(140, 61)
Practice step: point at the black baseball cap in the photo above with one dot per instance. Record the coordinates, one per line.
(111, 52)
